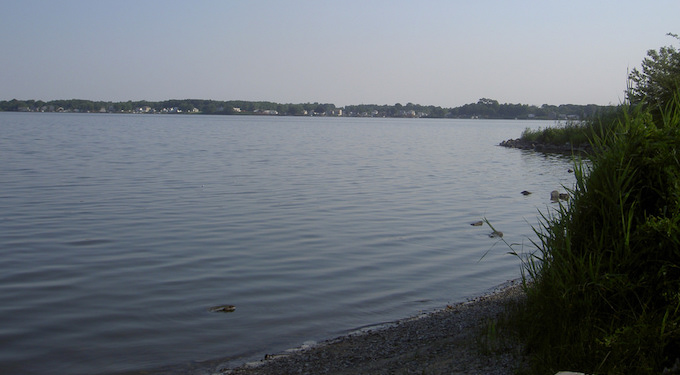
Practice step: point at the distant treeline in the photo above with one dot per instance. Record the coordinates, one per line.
(484, 108)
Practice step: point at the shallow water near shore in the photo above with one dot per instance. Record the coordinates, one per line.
(119, 232)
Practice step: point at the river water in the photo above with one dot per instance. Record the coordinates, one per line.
(119, 232)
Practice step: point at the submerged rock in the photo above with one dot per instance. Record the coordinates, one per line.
(496, 234)
(556, 195)
(223, 308)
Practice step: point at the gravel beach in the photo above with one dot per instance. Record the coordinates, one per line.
(450, 341)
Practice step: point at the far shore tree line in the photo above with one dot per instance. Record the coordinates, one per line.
(484, 108)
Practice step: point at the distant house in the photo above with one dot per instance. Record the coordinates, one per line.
(266, 111)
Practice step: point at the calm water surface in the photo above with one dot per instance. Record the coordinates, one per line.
(118, 232)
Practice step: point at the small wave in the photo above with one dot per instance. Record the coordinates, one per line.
(89, 242)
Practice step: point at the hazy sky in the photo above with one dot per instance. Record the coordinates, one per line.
(445, 53)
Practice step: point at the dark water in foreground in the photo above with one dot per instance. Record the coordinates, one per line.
(118, 232)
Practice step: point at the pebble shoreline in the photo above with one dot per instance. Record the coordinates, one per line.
(442, 342)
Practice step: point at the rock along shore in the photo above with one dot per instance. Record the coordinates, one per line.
(566, 148)
(454, 340)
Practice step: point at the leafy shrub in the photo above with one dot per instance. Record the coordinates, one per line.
(659, 79)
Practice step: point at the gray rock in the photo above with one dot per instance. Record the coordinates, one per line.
(554, 195)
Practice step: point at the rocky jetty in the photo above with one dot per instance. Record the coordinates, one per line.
(566, 148)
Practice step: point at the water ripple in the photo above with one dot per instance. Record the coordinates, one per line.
(119, 232)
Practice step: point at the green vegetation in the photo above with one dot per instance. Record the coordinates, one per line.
(605, 291)
(603, 286)
(575, 132)
(659, 79)
(652, 87)
(489, 108)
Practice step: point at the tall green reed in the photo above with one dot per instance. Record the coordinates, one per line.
(603, 286)
(572, 132)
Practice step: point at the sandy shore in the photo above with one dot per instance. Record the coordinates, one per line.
(450, 341)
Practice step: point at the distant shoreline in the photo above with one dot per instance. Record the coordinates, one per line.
(483, 109)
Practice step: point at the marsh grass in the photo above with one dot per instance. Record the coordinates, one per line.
(573, 132)
(603, 286)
